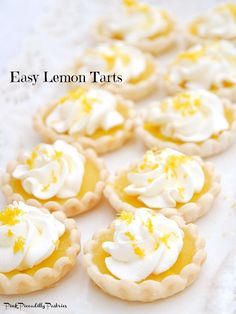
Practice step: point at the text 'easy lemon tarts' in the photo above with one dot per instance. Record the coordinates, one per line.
(91, 116)
(138, 70)
(58, 177)
(37, 248)
(145, 26)
(145, 256)
(167, 182)
(210, 66)
(195, 122)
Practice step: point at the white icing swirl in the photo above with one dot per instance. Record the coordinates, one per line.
(219, 23)
(189, 70)
(136, 22)
(85, 112)
(163, 178)
(115, 58)
(27, 236)
(143, 243)
(51, 170)
(191, 116)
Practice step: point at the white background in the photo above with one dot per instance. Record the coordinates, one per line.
(77, 290)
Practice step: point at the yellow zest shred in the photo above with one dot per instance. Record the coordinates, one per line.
(19, 244)
(10, 216)
(126, 216)
(186, 104)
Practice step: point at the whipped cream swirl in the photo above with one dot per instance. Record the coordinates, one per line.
(115, 58)
(137, 21)
(189, 69)
(165, 177)
(51, 170)
(192, 116)
(143, 243)
(219, 23)
(84, 112)
(27, 236)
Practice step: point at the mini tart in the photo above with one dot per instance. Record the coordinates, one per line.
(154, 44)
(154, 287)
(101, 141)
(192, 32)
(137, 88)
(89, 195)
(228, 88)
(49, 271)
(152, 137)
(198, 206)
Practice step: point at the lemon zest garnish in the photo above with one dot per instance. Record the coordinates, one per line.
(164, 239)
(172, 164)
(9, 216)
(138, 251)
(30, 161)
(111, 56)
(126, 216)
(54, 177)
(57, 155)
(9, 233)
(150, 180)
(19, 245)
(149, 160)
(130, 236)
(45, 188)
(186, 104)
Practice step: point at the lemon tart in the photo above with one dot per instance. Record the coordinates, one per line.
(194, 122)
(90, 116)
(139, 24)
(167, 182)
(216, 24)
(138, 71)
(144, 256)
(37, 248)
(207, 66)
(57, 176)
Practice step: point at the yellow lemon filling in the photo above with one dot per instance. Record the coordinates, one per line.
(122, 182)
(91, 177)
(60, 251)
(156, 130)
(185, 256)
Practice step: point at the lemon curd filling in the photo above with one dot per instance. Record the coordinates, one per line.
(185, 256)
(87, 107)
(122, 182)
(60, 251)
(88, 184)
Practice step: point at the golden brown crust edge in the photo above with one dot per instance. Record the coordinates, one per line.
(207, 148)
(190, 212)
(46, 276)
(101, 145)
(72, 206)
(148, 290)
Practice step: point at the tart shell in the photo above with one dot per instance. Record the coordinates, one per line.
(147, 290)
(72, 206)
(45, 277)
(190, 211)
(206, 148)
(139, 90)
(102, 144)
